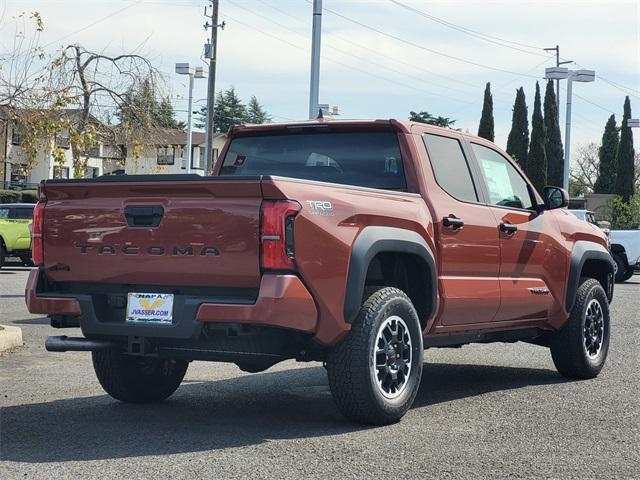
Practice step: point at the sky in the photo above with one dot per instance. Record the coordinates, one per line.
(379, 58)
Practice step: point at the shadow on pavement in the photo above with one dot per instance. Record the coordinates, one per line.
(31, 321)
(221, 414)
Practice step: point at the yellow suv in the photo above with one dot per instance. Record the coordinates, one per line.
(15, 240)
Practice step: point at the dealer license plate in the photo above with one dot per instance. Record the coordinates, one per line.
(150, 308)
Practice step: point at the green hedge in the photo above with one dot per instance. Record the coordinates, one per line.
(29, 196)
(10, 196)
(18, 196)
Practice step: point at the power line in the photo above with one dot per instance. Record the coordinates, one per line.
(389, 57)
(616, 85)
(343, 52)
(482, 36)
(345, 65)
(593, 103)
(427, 49)
(94, 23)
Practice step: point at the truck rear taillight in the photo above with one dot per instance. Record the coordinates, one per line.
(37, 245)
(276, 234)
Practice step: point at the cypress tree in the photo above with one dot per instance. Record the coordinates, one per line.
(607, 170)
(553, 145)
(537, 158)
(625, 171)
(485, 130)
(518, 140)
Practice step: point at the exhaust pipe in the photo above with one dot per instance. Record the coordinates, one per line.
(65, 344)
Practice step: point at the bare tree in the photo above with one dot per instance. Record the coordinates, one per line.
(584, 171)
(21, 67)
(94, 85)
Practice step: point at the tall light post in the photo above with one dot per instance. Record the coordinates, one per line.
(584, 76)
(314, 84)
(197, 72)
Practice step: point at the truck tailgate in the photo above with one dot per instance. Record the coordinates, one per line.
(207, 231)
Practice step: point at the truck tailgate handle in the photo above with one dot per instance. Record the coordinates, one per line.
(143, 216)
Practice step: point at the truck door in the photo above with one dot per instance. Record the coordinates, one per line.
(531, 260)
(466, 236)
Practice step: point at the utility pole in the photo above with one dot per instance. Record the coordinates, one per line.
(558, 63)
(314, 88)
(210, 50)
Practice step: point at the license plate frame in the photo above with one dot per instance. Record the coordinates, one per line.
(149, 308)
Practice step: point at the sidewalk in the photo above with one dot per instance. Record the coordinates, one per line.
(10, 337)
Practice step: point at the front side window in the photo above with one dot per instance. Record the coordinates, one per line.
(166, 155)
(504, 183)
(367, 159)
(450, 167)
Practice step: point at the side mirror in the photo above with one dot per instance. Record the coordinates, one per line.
(555, 197)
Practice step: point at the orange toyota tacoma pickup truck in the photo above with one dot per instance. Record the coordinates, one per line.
(354, 243)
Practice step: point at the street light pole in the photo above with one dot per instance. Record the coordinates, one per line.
(314, 88)
(189, 124)
(577, 76)
(567, 135)
(197, 72)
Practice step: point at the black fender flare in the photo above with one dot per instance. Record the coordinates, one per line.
(584, 250)
(374, 240)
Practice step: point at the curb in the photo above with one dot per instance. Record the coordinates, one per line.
(10, 337)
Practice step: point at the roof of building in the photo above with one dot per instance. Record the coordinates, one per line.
(163, 136)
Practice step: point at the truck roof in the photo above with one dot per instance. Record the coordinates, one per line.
(403, 125)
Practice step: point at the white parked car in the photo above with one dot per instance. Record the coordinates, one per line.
(586, 215)
(625, 249)
(625, 245)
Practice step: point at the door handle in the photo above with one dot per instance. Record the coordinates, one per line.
(453, 222)
(508, 228)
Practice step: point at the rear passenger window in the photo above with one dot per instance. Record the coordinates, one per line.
(450, 167)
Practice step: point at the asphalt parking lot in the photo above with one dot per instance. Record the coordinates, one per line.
(491, 411)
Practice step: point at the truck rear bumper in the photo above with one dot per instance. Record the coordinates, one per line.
(282, 301)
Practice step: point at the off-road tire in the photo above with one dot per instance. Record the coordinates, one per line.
(134, 379)
(351, 369)
(621, 268)
(568, 345)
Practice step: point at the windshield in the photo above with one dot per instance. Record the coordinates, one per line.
(366, 159)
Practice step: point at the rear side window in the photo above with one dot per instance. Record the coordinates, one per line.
(450, 167)
(4, 213)
(21, 213)
(366, 159)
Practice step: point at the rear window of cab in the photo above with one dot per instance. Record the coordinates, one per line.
(365, 159)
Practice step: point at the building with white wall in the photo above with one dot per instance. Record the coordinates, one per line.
(164, 150)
